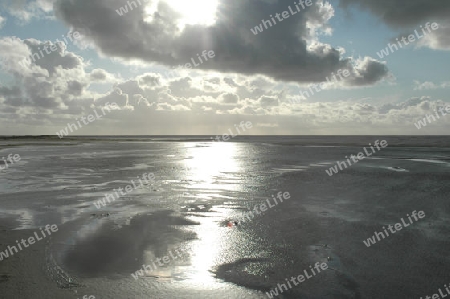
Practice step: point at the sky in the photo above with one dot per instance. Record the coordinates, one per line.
(200, 67)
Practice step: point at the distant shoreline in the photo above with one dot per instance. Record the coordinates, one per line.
(425, 141)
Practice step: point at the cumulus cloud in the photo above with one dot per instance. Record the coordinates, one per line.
(288, 51)
(51, 82)
(265, 101)
(102, 76)
(243, 81)
(427, 85)
(229, 98)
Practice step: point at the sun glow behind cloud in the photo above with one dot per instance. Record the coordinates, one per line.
(202, 12)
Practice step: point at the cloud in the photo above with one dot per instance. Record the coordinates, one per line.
(51, 82)
(56, 89)
(229, 98)
(404, 13)
(438, 39)
(427, 85)
(102, 76)
(54, 59)
(266, 101)
(288, 51)
(13, 57)
(410, 14)
(2, 21)
(27, 10)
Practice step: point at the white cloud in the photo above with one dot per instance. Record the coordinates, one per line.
(438, 39)
(427, 85)
(57, 88)
(2, 21)
(26, 10)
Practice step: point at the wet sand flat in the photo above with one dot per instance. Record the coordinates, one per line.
(196, 205)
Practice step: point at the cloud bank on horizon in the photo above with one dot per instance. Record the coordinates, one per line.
(59, 59)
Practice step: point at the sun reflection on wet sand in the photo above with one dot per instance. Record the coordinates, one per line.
(208, 166)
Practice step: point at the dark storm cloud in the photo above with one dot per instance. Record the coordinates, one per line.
(281, 52)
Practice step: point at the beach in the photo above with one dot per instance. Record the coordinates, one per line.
(198, 229)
